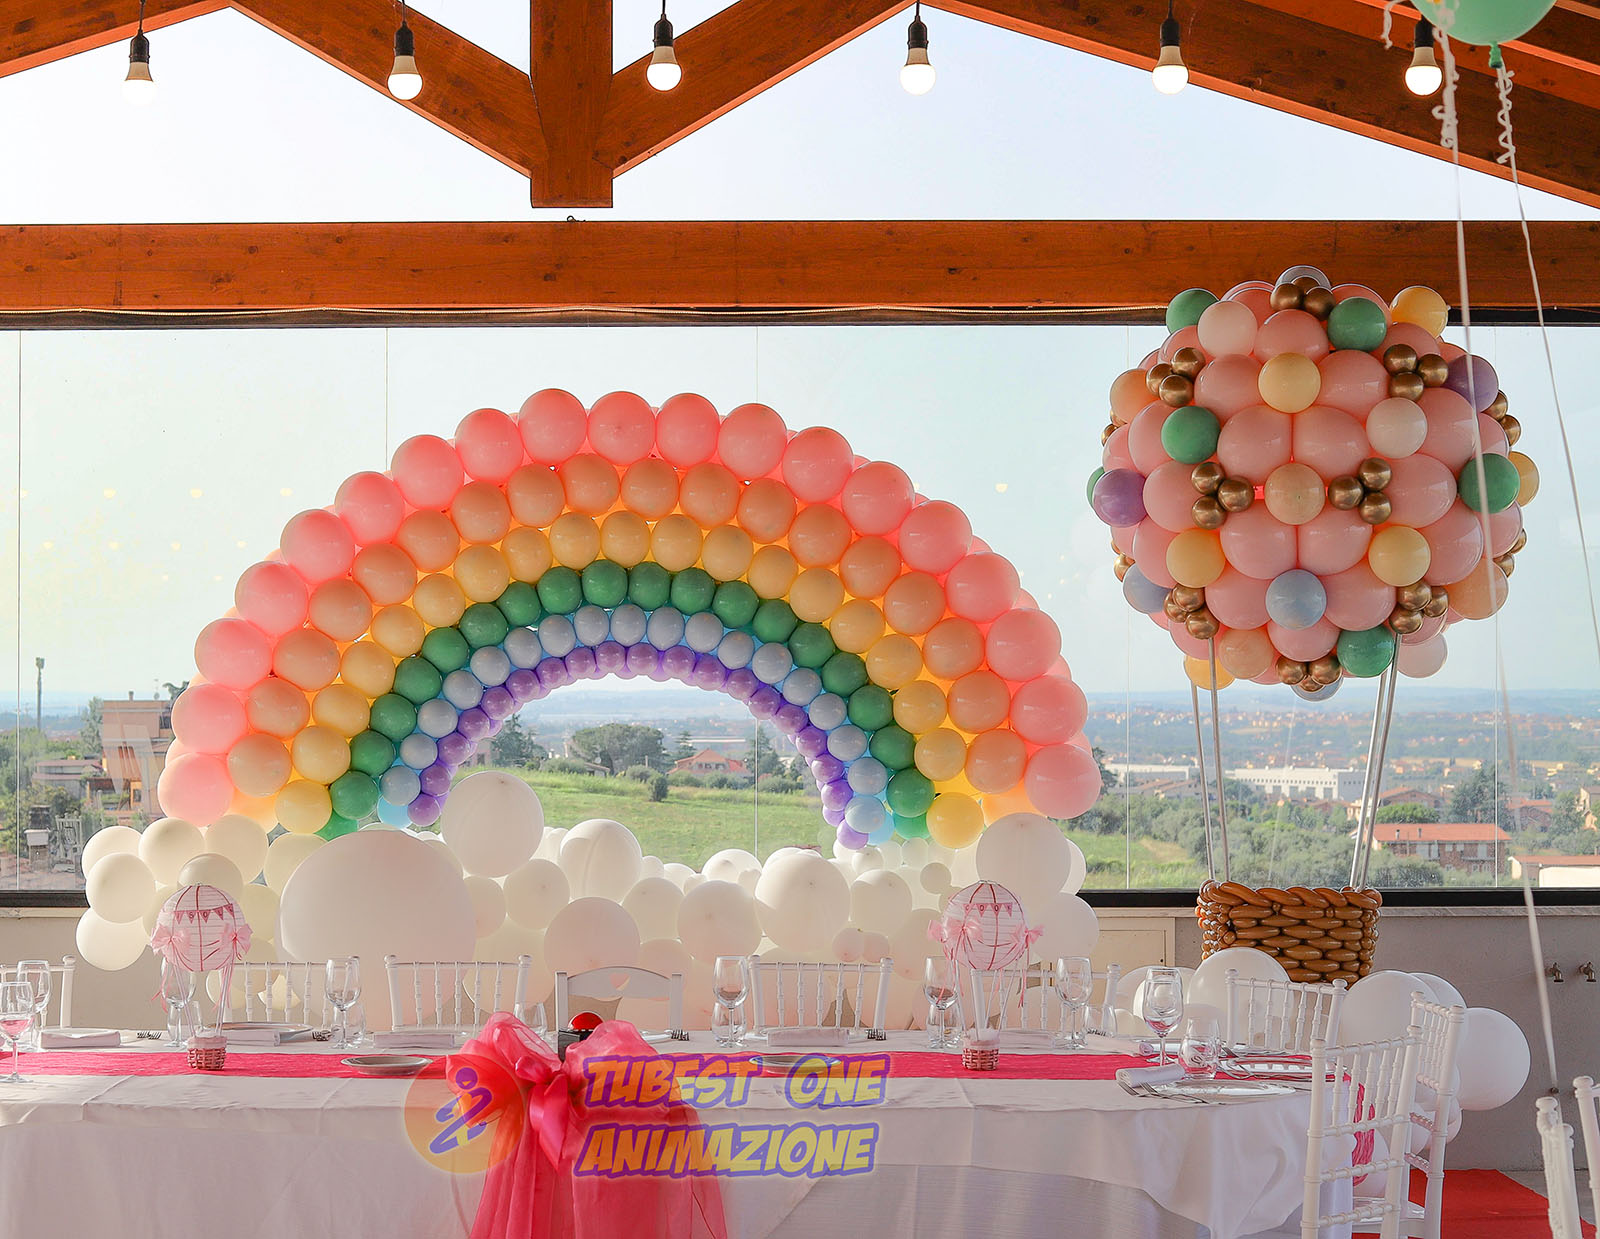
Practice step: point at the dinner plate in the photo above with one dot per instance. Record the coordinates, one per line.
(1220, 1088)
(782, 1064)
(388, 1064)
(264, 1026)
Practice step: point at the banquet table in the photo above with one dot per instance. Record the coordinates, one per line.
(124, 1145)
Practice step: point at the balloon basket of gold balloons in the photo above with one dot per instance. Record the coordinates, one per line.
(1317, 934)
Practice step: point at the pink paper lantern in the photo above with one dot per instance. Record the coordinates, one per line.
(201, 929)
(983, 927)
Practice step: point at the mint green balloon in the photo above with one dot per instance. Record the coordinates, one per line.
(811, 646)
(844, 673)
(1190, 434)
(394, 718)
(893, 746)
(649, 586)
(1485, 22)
(870, 707)
(604, 583)
(354, 795)
(446, 649)
(416, 679)
(1367, 652)
(560, 590)
(1185, 309)
(520, 605)
(910, 793)
(1357, 323)
(774, 620)
(735, 604)
(1088, 491)
(483, 624)
(692, 590)
(372, 753)
(911, 827)
(336, 826)
(1501, 476)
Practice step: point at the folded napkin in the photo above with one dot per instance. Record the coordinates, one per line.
(802, 1038)
(263, 1036)
(78, 1038)
(1133, 1077)
(415, 1039)
(1025, 1039)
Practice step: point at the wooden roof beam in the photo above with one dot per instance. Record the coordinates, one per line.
(570, 66)
(34, 33)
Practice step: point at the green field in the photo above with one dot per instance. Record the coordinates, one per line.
(1155, 863)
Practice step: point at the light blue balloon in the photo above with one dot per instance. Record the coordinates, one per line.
(523, 648)
(591, 625)
(736, 650)
(628, 623)
(490, 665)
(665, 627)
(556, 636)
(399, 785)
(1143, 594)
(1321, 694)
(393, 814)
(436, 718)
(1296, 599)
(865, 814)
(827, 711)
(884, 833)
(867, 776)
(462, 689)
(419, 751)
(847, 743)
(802, 686)
(772, 662)
(703, 632)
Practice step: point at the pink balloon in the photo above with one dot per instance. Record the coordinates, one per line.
(233, 653)
(1257, 543)
(1121, 538)
(1332, 541)
(1258, 300)
(1292, 331)
(1455, 542)
(1188, 643)
(877, 497)
(1330, 441)
(1169, 496)
(1022, 644)
(1343, 292)
(1184, 337)
(489, 444)
(1150, 359)
(1450, 427)
(1409, 333)
(1254, 442)
(1229, 384)
(1451, 351)
(1062, 781)
(1304, 644)
(1150, 550)
(622, 427)
(1432, 626)
(1237, 600)
(1269, 676)
(686, 430)
(1352, 381)
(1048, 710)
(1227, 327)
(1421, 661)
(1245, 286)
(1492, 435)
(751, 441)
(1420, 490)
(553, 425)
(428, 471)
(816, 464)
(1504, 527)
(1115, 454)
(318, 545)
(208, 718)
(1144, 437)
(195, 787)
(371, 505)
(272, 596)
(934, 535)
(1357, 599)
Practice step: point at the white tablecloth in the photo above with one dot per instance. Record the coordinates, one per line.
(130, 1156)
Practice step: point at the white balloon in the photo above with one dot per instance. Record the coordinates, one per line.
(1378, 1007)
(601, 859)
(443, 848)
(120, 888)
(535, 892)
(260, 907)
(875, 947)
(1069, 927)
(801, 900)
(935, 878)
(651, 867)
(678, 874)
(1210, 982)
(880, 901)
(1440, 990)
(866, 859)
(665, 956)
(591, 933)
(848, 945)
(241, 839)
(890, 851)
(730, 865)
(963, 866)
(211, 869)
(286, 853)
(718, 918)
(166, 845)
(488, 905)
(653, 904)
(910, 945)
(550, 843)
(1493, 1059)
(692, 881)
(492, 821)
(109, 946)
(163, 893)
(509, 943)
(914, 853)
(1079, 873)
(1028, 855)
(104, 842)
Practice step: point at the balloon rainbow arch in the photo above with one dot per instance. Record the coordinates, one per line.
(396, 630)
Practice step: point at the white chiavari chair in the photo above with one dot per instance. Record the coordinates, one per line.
(1279, 1017)
(1587, 1091)
(60, 990)
(1560, 1180)
(275, 991)
(1356, 1090)
(456, 995)
(1027, 992)
(800, 995)
(614, 984)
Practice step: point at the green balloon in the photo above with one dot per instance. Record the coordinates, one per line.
(354, 795)
(1190, 434)
(910, 793)
(774, 620)
(1357, 323)
(1367, 652)
(649, 586)
(1094, 477)
(692, 590)
(1501, 476)
(483, 624)
(605, 584)
(446, 649)
(520, 605)
(735, 604)
(844, 673)
(893, 746)
(1185, 309)
(1485, 22)
(372, 752)
(393, 716)
(336, 826)
(911, 827)
(811, 645)
(560, 591)
(871, 707)
(416, 679)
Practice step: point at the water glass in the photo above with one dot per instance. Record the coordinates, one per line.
(1201, 1048)
(730, 982)
(177, 990)
(16, 1017)
(35, 972)
(939, 988)
(344, 987)
(532, 1014)
(1163, 1004)
(728, 1024)
(356, 1028)
(1074, 984)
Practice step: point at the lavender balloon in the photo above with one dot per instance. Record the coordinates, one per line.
(764, 702)
(498, 704)
(852, 839)
(709, 673)
(678, 661)
(435, 780)
(424, 810)
(825, 768)
(1473, 379)
(837, 794)
(1118, 498)
(1143, 594)
(742, 684)
(523, 685)
(610, 657)
(811, 741)
(791, 718)
(553, 674)
(835, 817)
(581, 663)
(643, 659)
(454, 749)
(474, 724)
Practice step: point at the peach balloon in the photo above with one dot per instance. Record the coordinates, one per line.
(1432, 626)
(1294, 493)
(1352, 381)
(590, 483)
(1421, 305)
(195, 787)
(1199, 672)
(978, 701)
(894, 661)
(1063, 781)
(934, 535)
(1528, 474)
(1237, 600)
(624, 538)
(816, 464)
(306, 658)
(1492, 435)
(1480, 593)
(318, 545)
(208, 718)
(399, 630)
(819, 536)
(710, 494)
(996, 760)
(341, 609)
(751, 441)
(1022, 643)
(1257, 543)
(954, 820)
(920, 706)
(1245, 652)
(1452, 427)
(772, 571)
(1357, 599)
(877, 497)
(649, 487)
(277, 707)
(1330, 441)
(439, 600)
(622, 427)
(1115, 453)
(1254, 442)
(1504, 527)
(1420, 491)
(1048, 710)
(940, 754)
(1169, 496)
(528, 553)
(1304, 644)
(1332, 541)
(489, 445)
(480, 512)
(726, 553)
(951, 648)
(1144, 437)
(385, 572)
(320, 754)
(675, 542)
(686, 430)
(982, 586)
(1455, 544)
(1228, 384)
(1411, 336)
(1422, 660)
(371, 506)
(430, 539)
(272, 596)
(766, 509)
(483, 573)
(868, 566)
(1184, 337)
(303, 807)
(1290, 382)
(368, 669)
(857, 625)
(1292, 331)
(1396, 427)
(428, 471)
(914, 603)
(1257, 298)
(816, 594)
(1150, 546)
(536, 497)
(342, 708)
(1226, 327)
(1121, 539)
(258, 765)
(553, 425)
(1129, 394)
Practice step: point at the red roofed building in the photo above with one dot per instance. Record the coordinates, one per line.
(1579, 870)
(709, 761)
(1475, 847)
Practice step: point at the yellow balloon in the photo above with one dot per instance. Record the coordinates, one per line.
(1529, 473)
(1194, 558)
(575, 540)
(819, 535)
(399, 629)
(1422, 306)
(1290, 382)
(303, 807)
(727, 552)
(772, 571)
(1294, 493)
(1398, 555)
(816, 594)
(1199, 671)
(625, 538)
(920, 706)
(439, 600)
(1245, 652)
(342, 708)
(306, 658)
(857, 625)
(367, 669)
(259, 764)
(997, 805)
(675, 542)
(257, 808)
(894, 661)
(954, 820)
(340, 608)
(528, 552)
(941, 753)
(276, 707)
(320, 754)
(483, 573)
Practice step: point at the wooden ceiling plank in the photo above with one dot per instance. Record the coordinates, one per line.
(37, 32)
(570, 43)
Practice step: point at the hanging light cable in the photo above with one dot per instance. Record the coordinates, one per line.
(139, 87)
(405, 79)
(1170, 74)
(663, 72)
(917, 75)
(1424, 76)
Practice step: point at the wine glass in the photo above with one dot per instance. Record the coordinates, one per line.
(1201, 1047)
(16, 1017)
(177, 989)
(730, 981)
(939, 987)
(343, 988)
(1074, 982)
(36, 972)
(532, 1014)
(1163, 1004)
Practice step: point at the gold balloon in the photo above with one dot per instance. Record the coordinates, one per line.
(1207, 477)
(1202, 625)
(1121, 568)
(1406, 386)
(1498, 406)
(1188, 598)
(1310, 685)
(1208, 513)
(1512, 427)
(1290, 671)
(1403, 621)
(1506, 563)
(1286, 297)
(1154, 376)
(1324, 670)
(1528, 472)
(1235, 494)
(1434, 369)
(1346, 492)
(1105, 435)
(1438, 604)
(1175, 610)
(1306, 283)
(1399, 359)
(1176, 390)
(1375, 473)
(1415, 596)
(1188, 362)
(1522, 541)
(1375, 509)
(1318, 302)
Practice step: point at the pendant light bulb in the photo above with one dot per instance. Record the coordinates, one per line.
(663, 72)
(138, 87)
(405, 79)
(917, 75)
(1424, 76)
(1170, 74)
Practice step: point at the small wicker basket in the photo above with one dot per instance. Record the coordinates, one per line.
(1317, 934)
(207, 1051)
(980, 1055)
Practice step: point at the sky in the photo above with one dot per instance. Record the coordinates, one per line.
(155, 466)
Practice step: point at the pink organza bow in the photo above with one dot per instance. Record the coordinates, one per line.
(532, 1194)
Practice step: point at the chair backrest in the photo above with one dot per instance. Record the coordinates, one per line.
(60, 990)
(1587, 1090)
(456, 995)
(276, 990)
(1560, 1180)
(1280, 1017)
(1436, 1092)
(1028, 992)
(611, 984)
(1358, 1091)
(785, 994)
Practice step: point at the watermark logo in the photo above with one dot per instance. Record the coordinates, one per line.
(470, 1119)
